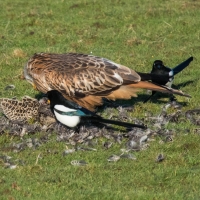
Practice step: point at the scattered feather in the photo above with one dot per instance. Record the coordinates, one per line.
(78, 162)
(107, 144)
(160, 158)
(113, 158)
(86, 149)
(128, 156)
(68, 151)
(9, 87)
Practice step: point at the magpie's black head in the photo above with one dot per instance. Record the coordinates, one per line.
(158, 64)
(160, 69)
(55, 97)
(160, 73)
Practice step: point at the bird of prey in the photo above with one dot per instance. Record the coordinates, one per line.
(71, 114)
(166, 74)
(87, 79)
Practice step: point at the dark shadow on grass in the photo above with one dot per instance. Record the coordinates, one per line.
(158, 98)
(154, 99)
(182, 85)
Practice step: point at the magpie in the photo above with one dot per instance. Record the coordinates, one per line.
(71, 114)
(164, 75)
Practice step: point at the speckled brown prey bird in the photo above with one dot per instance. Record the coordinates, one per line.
(25, 109)
(85, 79)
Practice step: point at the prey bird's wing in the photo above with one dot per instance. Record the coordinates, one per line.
(182, 66)
(20, 110)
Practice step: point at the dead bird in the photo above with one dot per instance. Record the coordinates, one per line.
(20, 112)
(25, 109)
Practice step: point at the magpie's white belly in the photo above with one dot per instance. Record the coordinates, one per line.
(171, 75)
(169, 83)
(70, 121)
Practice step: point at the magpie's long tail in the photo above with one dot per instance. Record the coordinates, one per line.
(182, 66)
(124, 124)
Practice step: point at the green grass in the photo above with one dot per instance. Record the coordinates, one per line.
(130, 32)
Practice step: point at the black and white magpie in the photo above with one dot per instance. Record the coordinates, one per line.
(164, 75)
(71, 114)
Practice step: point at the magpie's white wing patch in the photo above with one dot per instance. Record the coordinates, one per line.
(70, 121)
(63, 108)
(171, 73)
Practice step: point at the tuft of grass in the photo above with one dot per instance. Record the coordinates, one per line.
(133, 33)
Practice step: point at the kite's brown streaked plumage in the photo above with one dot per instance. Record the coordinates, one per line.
(85, 79)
